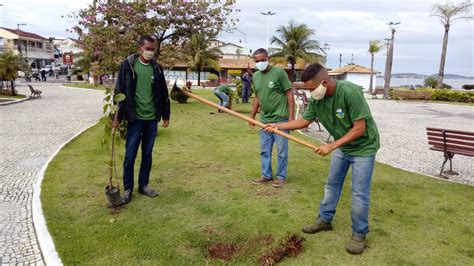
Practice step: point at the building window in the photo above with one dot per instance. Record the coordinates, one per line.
(49, 47)
(15, 42)
(31, 44)
(39, 45)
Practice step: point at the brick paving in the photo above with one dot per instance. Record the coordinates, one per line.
(30, 132)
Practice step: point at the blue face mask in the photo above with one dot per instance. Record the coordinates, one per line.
(261, 65)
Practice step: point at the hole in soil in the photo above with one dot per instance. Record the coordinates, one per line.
(292, 247)
(221, 251)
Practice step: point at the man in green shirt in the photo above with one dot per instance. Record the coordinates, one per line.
(274, 97)
(222, 93)
(342, 109)
(142, 81)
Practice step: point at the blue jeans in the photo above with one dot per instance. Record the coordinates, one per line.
(266, 146)
(362, 169)
(143, 131)
(223, 98)
(245, 92)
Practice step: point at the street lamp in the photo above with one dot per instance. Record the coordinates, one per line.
(325, 49)
(268, 14)
(18, 33)
(389, 61)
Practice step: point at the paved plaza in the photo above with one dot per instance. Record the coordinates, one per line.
(30, 132)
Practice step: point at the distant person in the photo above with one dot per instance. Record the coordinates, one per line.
(274, 98)
(246, 86)
(340, 106)
(43, 75)
(223, 94)
(143, 82)
(412, 87)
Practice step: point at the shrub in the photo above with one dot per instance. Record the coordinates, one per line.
(212, 77)
(431, 82)
(452, 96)
(468, 86)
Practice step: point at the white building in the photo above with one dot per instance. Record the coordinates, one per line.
(68, 45)
(37, 50)
(357, 74)
(230, 50)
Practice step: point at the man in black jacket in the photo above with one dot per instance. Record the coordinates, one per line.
(142, 81)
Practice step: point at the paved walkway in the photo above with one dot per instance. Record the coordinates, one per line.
(404, 143)
(30, 132)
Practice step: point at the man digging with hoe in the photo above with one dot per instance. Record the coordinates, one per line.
(342, 109)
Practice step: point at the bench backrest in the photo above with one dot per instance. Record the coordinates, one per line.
(31, 88)
(461, 142)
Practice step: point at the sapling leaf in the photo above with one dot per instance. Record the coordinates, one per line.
(114, 108)
(119, 97)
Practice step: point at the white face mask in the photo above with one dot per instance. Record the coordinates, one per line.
(319, 92)
(148, 55)
(261, 65)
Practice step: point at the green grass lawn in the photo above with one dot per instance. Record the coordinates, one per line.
(84, 86)
(203, 165)
(16, 97)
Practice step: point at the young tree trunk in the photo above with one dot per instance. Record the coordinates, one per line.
(186, 74)
(12, 83)
(292, 73)
(371, 73)
(443, 58)
(199, 77)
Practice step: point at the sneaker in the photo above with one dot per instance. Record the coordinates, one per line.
(356, 245)
(148, 191)
(278, 183)
(262, 180)
(319, 226)
(127, 196)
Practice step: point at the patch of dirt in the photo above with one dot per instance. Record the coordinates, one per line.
(222, 251)
(268, 193)
(292, 246)
(115, 210)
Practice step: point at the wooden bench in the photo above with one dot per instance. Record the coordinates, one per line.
(450, 142)
(34, 93)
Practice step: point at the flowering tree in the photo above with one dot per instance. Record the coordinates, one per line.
(108, 30)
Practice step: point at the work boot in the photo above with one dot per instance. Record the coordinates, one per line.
(262, 180)
(278, 183)
(148, 191)
(127, 196)
(319, 226)
(356, 245)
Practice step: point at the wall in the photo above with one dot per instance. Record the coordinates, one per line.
(361, 79)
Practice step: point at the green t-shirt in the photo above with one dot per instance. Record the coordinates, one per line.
(337, 114)
(144, 103)
(271, 88)
(225, 89)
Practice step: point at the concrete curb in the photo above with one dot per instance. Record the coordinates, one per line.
(76, 88)
(16, 101)
(45, 241)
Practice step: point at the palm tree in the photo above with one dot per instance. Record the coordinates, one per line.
(200, 56)
(10, 64)
(293, 42)
(447, 14)
(374, 47)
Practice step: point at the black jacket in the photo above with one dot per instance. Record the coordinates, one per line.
(127, 84)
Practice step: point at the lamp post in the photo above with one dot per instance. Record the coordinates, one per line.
(325, 49)
(18, 33)
(268, 14)
(389, 61)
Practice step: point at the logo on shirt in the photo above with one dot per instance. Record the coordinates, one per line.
(152, 79)
(271, 84)
(340, 113)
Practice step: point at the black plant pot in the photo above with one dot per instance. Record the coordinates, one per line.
(113, 196)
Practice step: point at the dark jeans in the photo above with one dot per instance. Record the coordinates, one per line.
(245, 93)
(143, 131)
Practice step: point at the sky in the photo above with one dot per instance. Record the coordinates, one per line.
(346, 26)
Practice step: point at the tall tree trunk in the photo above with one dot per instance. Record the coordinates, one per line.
(186, 75)
(443, 57)
(371, 73)
(388, 68)
(12, 83)
(199, 77)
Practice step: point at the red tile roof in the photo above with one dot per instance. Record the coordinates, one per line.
(25, 34)
(352, 69)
